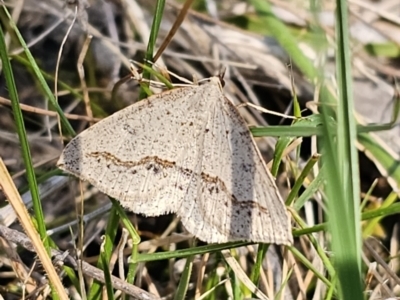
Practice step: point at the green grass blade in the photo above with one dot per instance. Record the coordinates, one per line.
(288, 131)
(135, 239)
(43, 84)
(106, 270)
(280, 146)
(111, 231)
(155, 27)
(158, 75)
(308, 265)
(299, 181)
(370, 226)
(309, 126)
(237, 292)
(192, 251)
(319, 249)
(25, 150)
(387, 162)
(342, 160)
(380, 212)
(185, 279)
(26, 153)
(310, 190)
(255, 274)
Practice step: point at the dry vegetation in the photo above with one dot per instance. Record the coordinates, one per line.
(259, 70)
